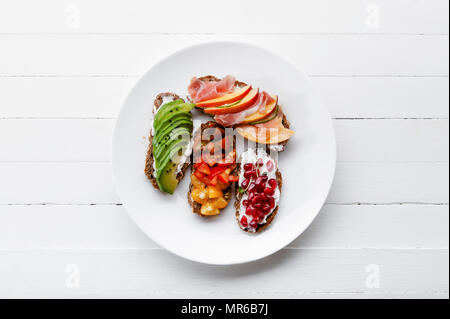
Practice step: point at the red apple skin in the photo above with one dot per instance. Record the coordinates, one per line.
(226, 99)
(246, 102)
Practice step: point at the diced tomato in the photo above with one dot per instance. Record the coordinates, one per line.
(204, 168)
(196, 165)
(207, 158)
(199, 175)
(222, 162)
(233, 178)
(216, 170)
(213, 181)
(223, 177)
(209, 181)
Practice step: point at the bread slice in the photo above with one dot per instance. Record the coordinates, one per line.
(149, 169)
(269, 220)
(228, 192)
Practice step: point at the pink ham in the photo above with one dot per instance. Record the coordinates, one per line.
(202, 91)
(235, 118)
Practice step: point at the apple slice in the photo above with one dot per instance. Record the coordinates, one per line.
(258, 116)
(246, 102)
(265, 135)
(237, 95)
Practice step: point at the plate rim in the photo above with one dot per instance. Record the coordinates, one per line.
(289, 239)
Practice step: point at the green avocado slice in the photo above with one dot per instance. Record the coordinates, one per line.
(182, 119)
(165, 137)
(170, 156)
(166, 176)
(168, 181)
(166, 111)
(178, 134)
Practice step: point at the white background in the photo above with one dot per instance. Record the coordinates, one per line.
(67, 66)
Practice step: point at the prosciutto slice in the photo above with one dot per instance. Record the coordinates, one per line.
(202, 91)
(231, 119)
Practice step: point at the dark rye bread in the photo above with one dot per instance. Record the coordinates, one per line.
(227, 193)
(149, 171)
(237, 204)
(212, 78)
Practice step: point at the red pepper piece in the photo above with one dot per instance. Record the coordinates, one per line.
(223, 177)
(203, 168)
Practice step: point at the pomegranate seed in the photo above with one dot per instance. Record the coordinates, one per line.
(266, 209)
(245, 183)
(254, 224)
(264, 178)
(258, 205)
(244, 222)
(260, 162)
(245, 203)
(248, 174)
(270, 166)
(250, 197)
(273, 183)
(271, 202)
(248, 167)
(269, 191)
(261, 218)
(256, 199)
(260, 184)
(264, 197)
(252, 188)
(254, 173)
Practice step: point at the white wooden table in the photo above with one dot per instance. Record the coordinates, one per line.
(381, 65)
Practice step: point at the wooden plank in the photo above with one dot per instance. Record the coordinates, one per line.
(390, 183)
(84, 183)
(91, 183)
(59, 140)
(109, 227)
(319, 55)
(157, 273)
(356, 97)
(287, 16)
(358, 140)
(392, 140)
(387, 97)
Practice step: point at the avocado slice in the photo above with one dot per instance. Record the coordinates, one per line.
(165, 137)
(169, 156)
(168, 181)
(166, 176)
(166, 106)
(168, 110)
(182, 119)
(179, 134)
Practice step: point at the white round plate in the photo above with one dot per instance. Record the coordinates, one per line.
(307, 165)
